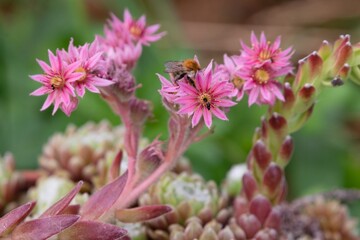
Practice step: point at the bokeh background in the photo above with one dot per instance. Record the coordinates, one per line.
(327, 153)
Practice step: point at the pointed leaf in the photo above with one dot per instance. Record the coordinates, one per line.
(10, 220)
(93, 230)
(43, 228)
(103, 199)
(141, 214)
(115, 166)
(62, 203)
(71, 209)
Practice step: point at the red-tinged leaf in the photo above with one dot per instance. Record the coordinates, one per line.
(43, 228)
(10, 220)
(115, 166)
(103, 199)
(141, 214)
(62, 203)
(71, 209)
(93, 230)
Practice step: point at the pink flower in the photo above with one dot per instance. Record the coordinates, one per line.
(261, 85)
(69, 108)
(91, 65)
(116, 35)
(139, 31)
(205, 99)
(264, 52)
(168, 89)
(57, 81)
(127, 56)
(231, 71)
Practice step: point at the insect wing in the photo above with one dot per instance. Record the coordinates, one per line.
(173, 66)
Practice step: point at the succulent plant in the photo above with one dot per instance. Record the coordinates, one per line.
(191, 198)
(12, 182)
(333, 219)
(84, 153)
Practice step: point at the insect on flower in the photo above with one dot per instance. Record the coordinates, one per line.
(183, 69)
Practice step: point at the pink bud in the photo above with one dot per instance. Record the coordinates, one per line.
(344, 71)
(249, 185)
(272, 178)
(241, 206)
(261, 154)
(264, 128)
(289, 97)
(277, 122)
(281, 196)
(307, 92)
(342, 57)
(286, 151)
(260, 207)
(274, 219)
(149, 159)
(250, 224)
(315, 63)
(140, 110)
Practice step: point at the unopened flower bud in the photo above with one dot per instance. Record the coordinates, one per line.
(285, 152)
(315, 63)
(124, 87)
(140, 110)
(325, 50)
(250, 224)
(260, 207)
(344, 71)
(342, 57)
(274, 219)
(249, 185)
(289, 97)
(261, 154)
(272, 179)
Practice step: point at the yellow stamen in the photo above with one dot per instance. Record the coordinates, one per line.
(264, 55)
(135, 30)
(81, 70)
(205, 100)
(261, 76)
(57, 82)
(238, 82)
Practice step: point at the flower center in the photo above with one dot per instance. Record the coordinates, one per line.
(238, 82)
(265, 55)
(135, 30)
(57, 82)
(81, 70)
(205, 100)
(261, 76)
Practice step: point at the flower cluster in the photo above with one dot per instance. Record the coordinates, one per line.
(93, 65)
(201, 93)
(257, 69)
(200, 96)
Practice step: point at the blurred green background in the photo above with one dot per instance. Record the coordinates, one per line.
(327, 153)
